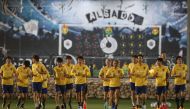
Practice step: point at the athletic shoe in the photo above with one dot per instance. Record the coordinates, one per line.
(3, 105)
(105, 105)
(18, 104)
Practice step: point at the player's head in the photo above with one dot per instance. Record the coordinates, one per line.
(140, 58)
(159, 61)
(8, 60)
(80, 60)
(26, 63)
(59, 61)
(115, 63)
(179, 60)
(108, 62)
(35, 58)
(68, 59)
(163, 55)
(134, 58)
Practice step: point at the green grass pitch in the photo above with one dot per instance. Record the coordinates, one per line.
(93, 104)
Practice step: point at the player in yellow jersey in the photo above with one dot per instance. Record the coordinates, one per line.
(7, 73)
(160, 72)
(179, 72)
(44, 89)
(102, 76)
(115, 74)
(60, 84)
(69, 79)
(80, 72)
(38, 70)
(23, 74)
(140, 71)
(132, 78)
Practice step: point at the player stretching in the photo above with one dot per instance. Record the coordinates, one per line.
(38, 70)
(23, 75)
(80, 72)
(179, 72)
(132, 78)
(60, 84)
(160, 72)
(69, 80)
(102, 76)
(115, 74)
(7, 72)
(140, 71)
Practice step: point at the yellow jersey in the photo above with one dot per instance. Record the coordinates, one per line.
(59, 73)
(68, 69)
(38, 69)
(132, 77)
(81, 72)
(160, 73)
(140, 72)
(102, 73)
(7, 71)
(23, 76)
(115, 75)
(46, 78)
(179, 70)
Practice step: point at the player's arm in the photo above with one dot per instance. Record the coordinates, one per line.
(56, 76)
(1, 72)
(108, 74)
(173, 73)
(87, 72)
(44, 70)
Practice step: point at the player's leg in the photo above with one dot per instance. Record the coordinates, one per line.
(19, 97)
(63, 96)
(138, 96)
(144, 97)
(177, 94)
(57, 96)
(4, 95)
(78, 95)
(182, 90)
(158, 94)
(83, 93)
(9, 96)
(132, 87)
(117, 94)
(106, 99)
(69, 88)
(34, 86)
(111, 92)
(44, 97)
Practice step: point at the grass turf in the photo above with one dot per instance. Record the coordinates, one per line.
(93, 104)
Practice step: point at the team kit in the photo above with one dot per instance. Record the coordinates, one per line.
(68, 76)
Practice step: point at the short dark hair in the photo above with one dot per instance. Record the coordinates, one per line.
(140, 55)
(80, 57)
(8, 57)
(160, 59)
(134, 56)
(36, 57)
(178, 57)
(68, 57)
(27, 63)
(59, 60)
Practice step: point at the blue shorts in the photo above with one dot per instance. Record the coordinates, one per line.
(81, 87)
(140, 90)
(161, 90)
(23, 89)
(7, 88)
(180, 88)
(37, 87)
(60, 88)
(132, 86)
(69, 86)
(113, 88)
(44, 91)
(106, 88)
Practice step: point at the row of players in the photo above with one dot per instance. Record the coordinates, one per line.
(111, 74)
